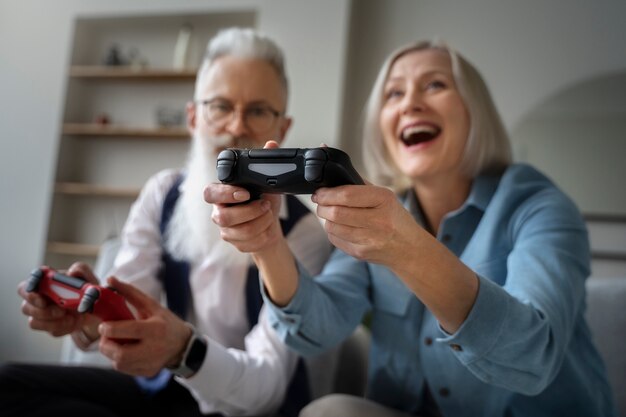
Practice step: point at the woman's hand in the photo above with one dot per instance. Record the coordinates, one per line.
(156, 339)
(252, 226)
(367, 222)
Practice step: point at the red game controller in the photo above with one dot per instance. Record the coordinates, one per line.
(76, 294)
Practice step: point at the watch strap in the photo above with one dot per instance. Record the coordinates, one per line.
(193, 356)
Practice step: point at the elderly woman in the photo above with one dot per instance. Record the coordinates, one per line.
(473, 268)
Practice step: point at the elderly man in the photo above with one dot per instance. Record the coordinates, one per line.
(211, 350)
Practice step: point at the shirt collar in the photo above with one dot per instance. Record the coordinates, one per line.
(483, 189)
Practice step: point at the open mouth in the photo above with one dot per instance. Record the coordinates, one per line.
(415, 135)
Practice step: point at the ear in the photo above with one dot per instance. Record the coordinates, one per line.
(284, 128)
(190, 110)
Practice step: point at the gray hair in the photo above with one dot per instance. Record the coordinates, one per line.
(244, 43)
(487, 149)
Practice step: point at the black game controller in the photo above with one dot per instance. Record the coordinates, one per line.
(76, 294)
(286, 170)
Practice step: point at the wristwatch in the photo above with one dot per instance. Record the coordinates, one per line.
(193, 357)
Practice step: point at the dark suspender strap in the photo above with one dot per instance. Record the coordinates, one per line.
(174, 273)
(175, 277)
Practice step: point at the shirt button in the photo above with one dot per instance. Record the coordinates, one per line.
(444, 392)
(290, 320)
(446, 238)
(456, 348)
(428, 341)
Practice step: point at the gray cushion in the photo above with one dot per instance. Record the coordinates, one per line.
(606, 314)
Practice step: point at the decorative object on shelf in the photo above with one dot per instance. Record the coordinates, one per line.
(169, 116)
(181, 50)
(102, 119)
(114, 57)
(135, 60)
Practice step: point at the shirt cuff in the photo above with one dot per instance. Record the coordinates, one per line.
(480, 331)
(288, 319)
(217, 361)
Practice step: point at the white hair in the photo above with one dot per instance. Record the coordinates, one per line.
(191, 234)
(244, 43)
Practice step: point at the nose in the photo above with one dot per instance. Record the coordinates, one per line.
(412, 101)
(236, 126)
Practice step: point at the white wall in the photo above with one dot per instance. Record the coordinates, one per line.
(35, 40)
(527, 50)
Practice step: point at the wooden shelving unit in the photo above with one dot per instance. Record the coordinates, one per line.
(92, 129)
(131, 73)
(93, 190)
(101, 167)
(73, 249)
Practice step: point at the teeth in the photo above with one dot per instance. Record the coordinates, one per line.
(413, 130)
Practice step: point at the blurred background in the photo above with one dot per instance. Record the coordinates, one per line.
(91, 94)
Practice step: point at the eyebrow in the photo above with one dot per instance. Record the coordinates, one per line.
(252, 103)
(425, 74)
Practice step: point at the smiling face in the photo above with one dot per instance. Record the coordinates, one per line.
(423, 119)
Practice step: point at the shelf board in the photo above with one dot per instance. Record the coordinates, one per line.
(73, 249)
(92, 129)
(92, 190)
(130, 73)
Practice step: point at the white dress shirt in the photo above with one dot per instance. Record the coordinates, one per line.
(245, 371)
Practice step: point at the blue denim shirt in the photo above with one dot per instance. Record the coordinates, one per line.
(525, 348)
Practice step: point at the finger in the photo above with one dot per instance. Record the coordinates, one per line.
(33, 298)
(348, 216)
(271, 144)
(131, 358)
(350, 196)
(50, 312)
(58, 327)
(257, 232)
(144, 304)
(216, 193)
(124, 329)
(351, 248)
(231, 216)
(82, 270)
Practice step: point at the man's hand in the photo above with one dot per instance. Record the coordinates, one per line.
(158, 337)
(44, 315)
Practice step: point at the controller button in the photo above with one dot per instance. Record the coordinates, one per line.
(227, 154)
(273, 153)
(316, 153)
(270, 169)
(35, 278)
(89, 299)
(272, 182)
(225, 165)
(314, 170)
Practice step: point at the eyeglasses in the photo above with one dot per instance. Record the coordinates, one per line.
(258, 118)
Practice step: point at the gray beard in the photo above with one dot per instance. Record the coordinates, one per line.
(191, 235)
